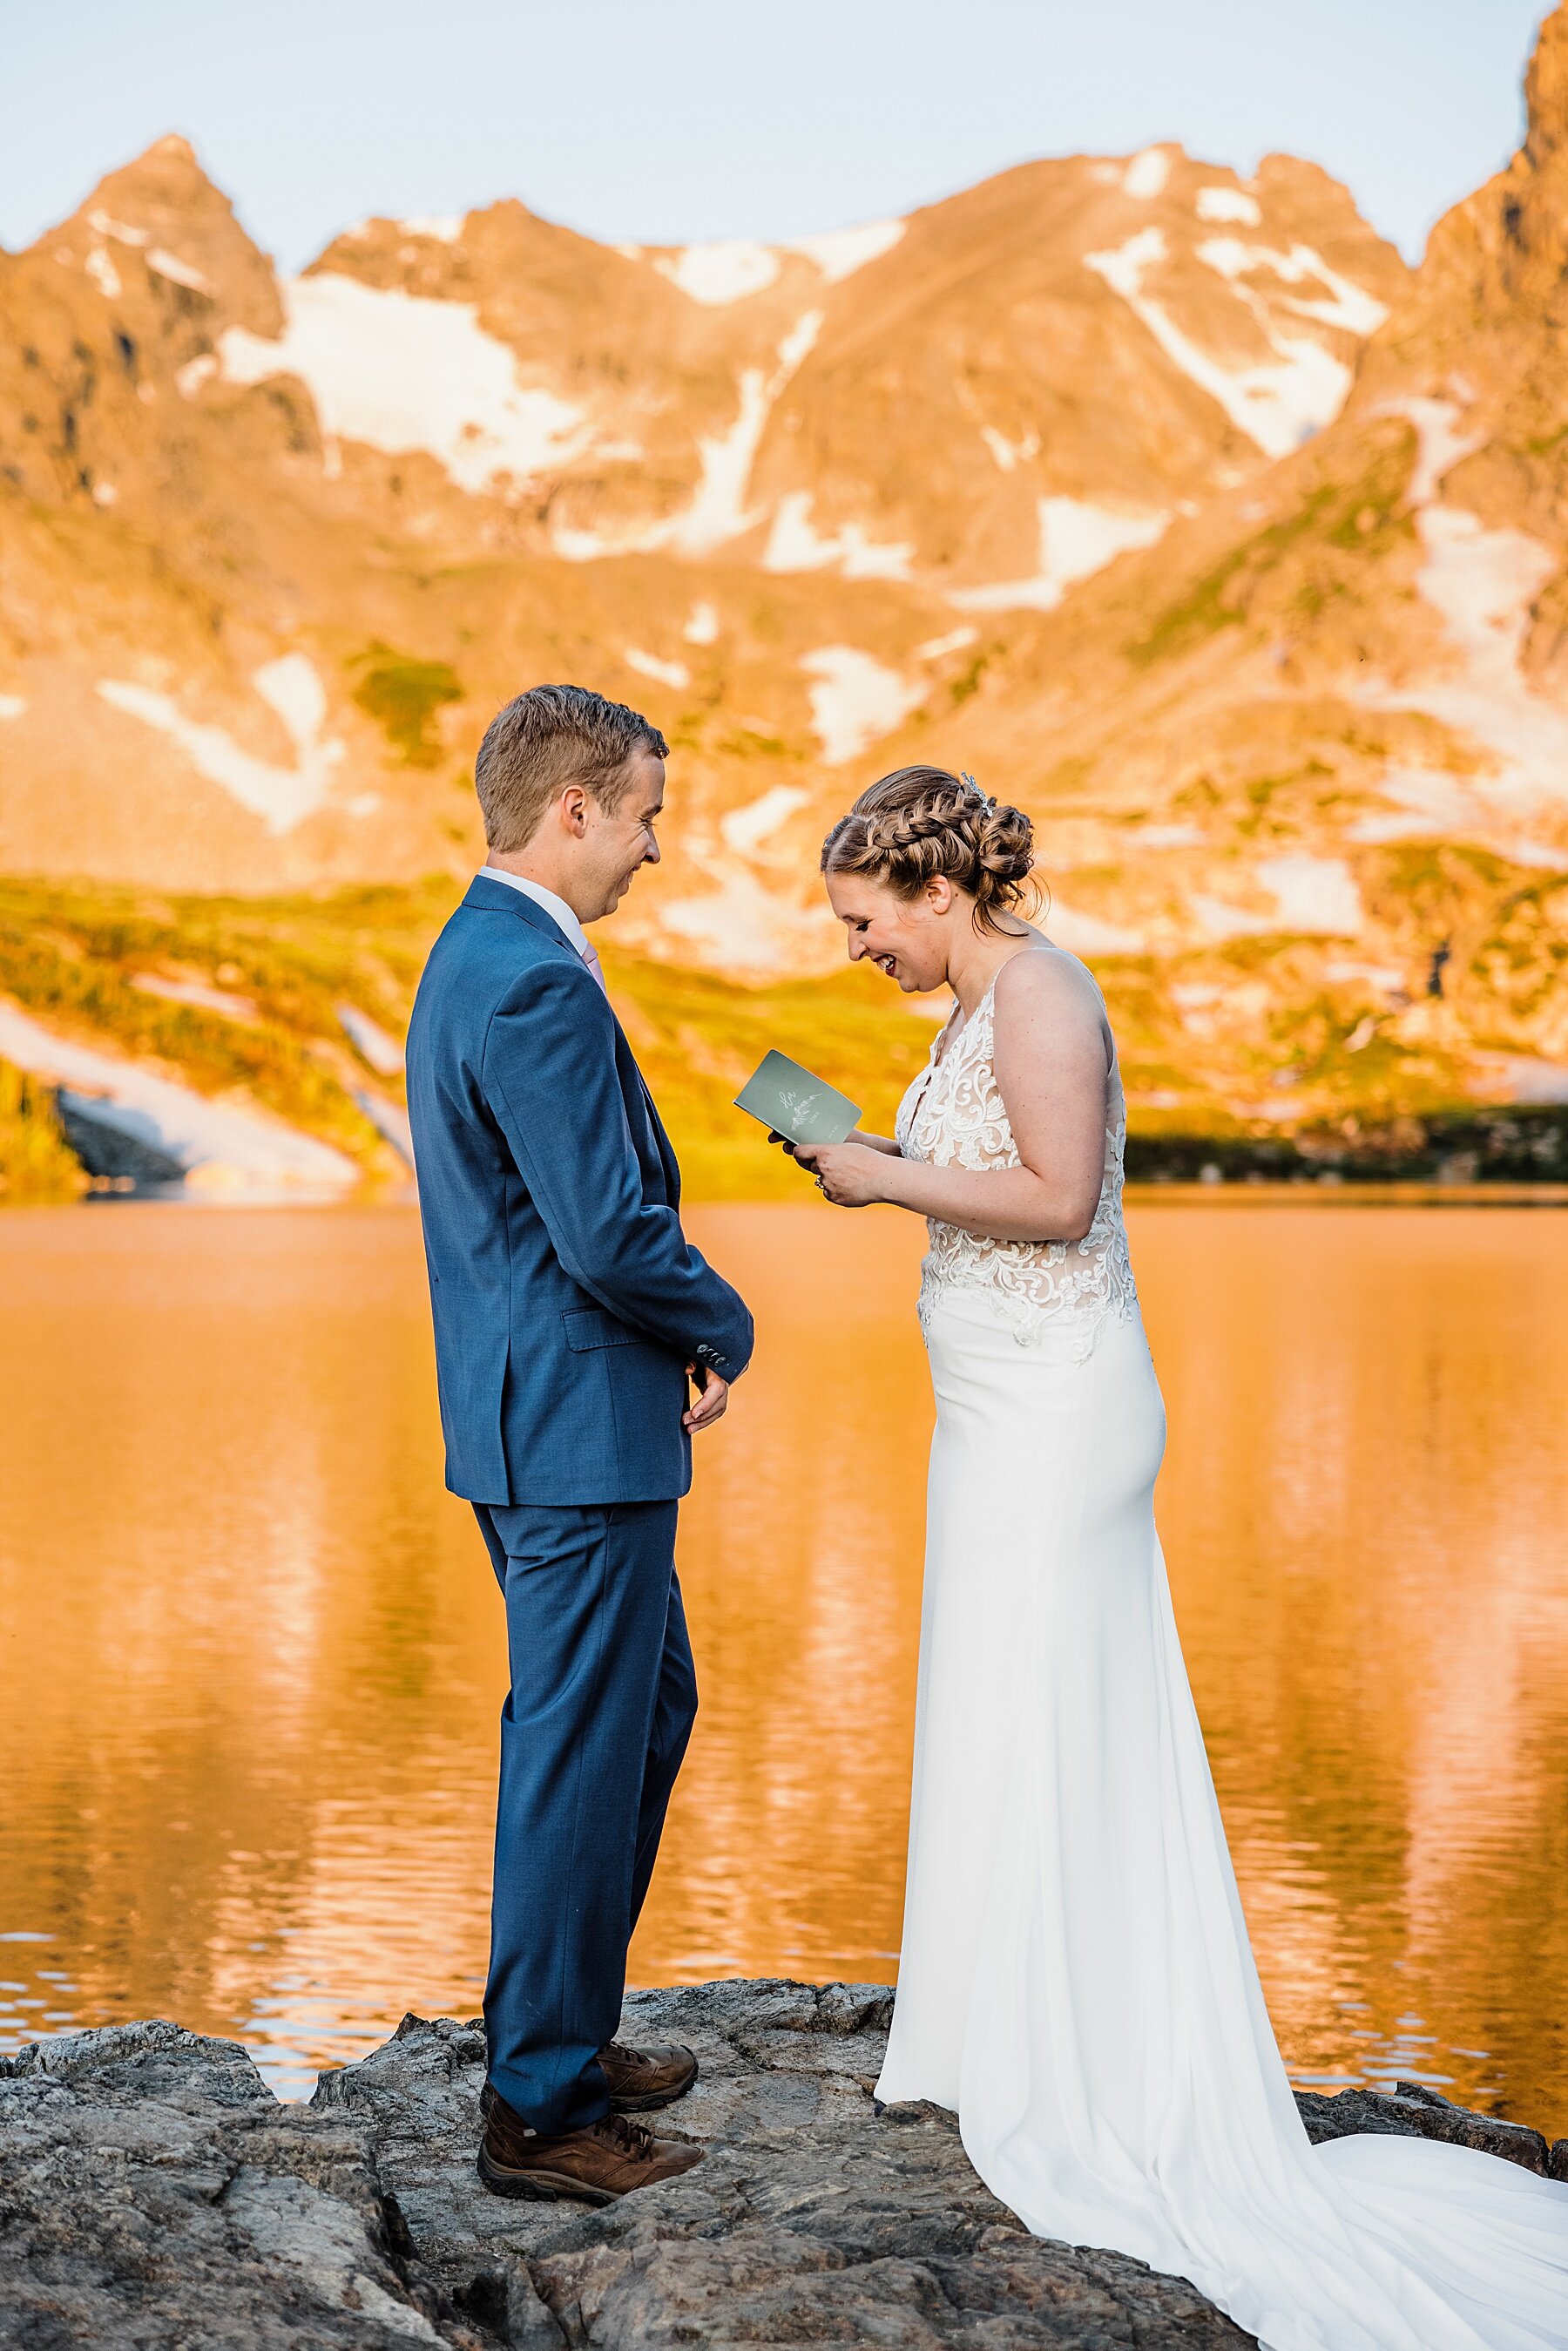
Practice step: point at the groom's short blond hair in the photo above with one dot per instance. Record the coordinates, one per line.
(551, 736)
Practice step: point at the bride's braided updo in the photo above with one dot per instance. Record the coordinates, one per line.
(922, 821)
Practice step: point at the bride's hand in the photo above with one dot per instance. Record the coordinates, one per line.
(850, 1175)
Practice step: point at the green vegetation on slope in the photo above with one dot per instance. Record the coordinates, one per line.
(36, 1163)
(1268, 1044)
(1337, 532)
(699, 1040)
(403, 696)
(88, 960)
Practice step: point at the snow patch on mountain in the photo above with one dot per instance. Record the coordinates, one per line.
(954, 641)
(1229, 204)
(1430, 804)
(664, 672)
(838, 252)
(855, 699)
(1008, 454)
(1278, 403)
(740, 927)
(1425, 801)
(718, 511)
(12, 705)
(794, 544)
(445, 227)
(220, 1148)
(1076, 539)
(102, 272)
(221, 1000)
(107, 227)
(1147, 174)
(1312, 894)
(731, 269)
(1439, 444)
(1089, 934)
(195, 372)
(282, 797)
(727, 270)
(1349, 306)
(180, 273)
(400, 372)
(702, 625)
(745, 828)
(372, 1041)
(1482, 584)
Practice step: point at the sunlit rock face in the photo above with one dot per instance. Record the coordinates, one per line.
(695, 475)
(1172, 505)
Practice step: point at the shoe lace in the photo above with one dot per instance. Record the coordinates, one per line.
(635, 2139)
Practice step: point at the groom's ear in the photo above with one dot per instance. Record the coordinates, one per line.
(573, 808)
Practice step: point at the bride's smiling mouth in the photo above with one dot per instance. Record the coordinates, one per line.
(887, 964)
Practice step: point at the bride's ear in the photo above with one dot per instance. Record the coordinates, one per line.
(939, 894)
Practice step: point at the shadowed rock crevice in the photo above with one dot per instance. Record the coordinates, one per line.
(152, 2191)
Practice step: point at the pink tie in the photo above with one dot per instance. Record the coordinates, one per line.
(594, 965)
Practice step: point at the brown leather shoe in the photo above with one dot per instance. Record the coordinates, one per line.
(606, 2160)
(639, 2079)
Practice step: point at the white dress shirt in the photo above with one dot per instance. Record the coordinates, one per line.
(557, 910)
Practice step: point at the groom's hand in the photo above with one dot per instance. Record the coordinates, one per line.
(709, 1405)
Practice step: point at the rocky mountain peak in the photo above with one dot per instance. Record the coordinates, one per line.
(1167, 500)
(1505, 248)
(161, 215)
(1546, 88)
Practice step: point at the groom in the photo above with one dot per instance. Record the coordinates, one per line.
(569, 1313)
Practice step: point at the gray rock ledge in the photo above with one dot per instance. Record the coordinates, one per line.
(154, 2194)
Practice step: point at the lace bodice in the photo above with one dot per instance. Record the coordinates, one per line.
(953, 1116)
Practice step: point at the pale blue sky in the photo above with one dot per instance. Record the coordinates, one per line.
(667, 121)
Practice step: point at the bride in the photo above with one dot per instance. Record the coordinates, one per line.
(1076, 1977)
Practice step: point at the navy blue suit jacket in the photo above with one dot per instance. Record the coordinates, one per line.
(567, 1301)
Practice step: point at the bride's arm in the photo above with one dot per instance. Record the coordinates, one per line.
(1052, 1066)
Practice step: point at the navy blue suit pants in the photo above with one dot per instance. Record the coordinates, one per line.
(593, 1733)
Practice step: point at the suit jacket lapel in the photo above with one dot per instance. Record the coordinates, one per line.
(665, 1148)
(497, 897)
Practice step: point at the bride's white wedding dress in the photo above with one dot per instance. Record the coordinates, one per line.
(1075, 1979)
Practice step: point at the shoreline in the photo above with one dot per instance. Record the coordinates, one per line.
(152, 2189)
(1301, 1191)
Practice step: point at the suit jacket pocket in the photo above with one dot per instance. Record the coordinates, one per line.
(589, 1326)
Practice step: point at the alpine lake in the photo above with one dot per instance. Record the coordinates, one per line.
(251, 1651)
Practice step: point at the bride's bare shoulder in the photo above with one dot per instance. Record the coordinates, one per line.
(1047, 980)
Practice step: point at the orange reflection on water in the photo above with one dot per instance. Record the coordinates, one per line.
(250, 1652)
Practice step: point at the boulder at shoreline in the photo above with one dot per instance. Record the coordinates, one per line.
(153, 2192)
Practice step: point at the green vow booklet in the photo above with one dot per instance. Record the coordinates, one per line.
(794, 1103)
